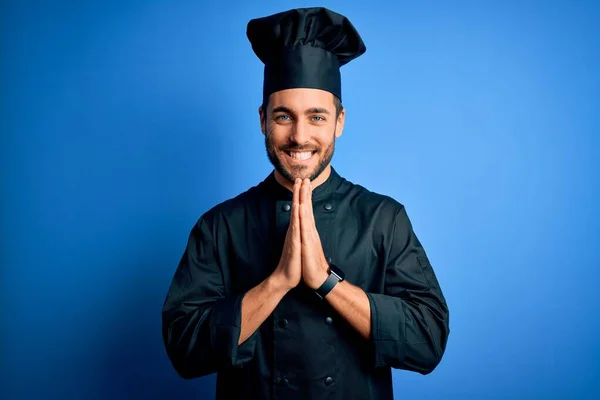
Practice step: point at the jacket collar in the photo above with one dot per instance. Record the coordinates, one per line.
(279, 192)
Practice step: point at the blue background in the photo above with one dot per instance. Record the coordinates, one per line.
(122, 122)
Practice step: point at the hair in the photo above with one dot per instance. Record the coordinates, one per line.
(336, 101)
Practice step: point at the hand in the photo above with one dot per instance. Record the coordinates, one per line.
(314, 265)
(289, 270)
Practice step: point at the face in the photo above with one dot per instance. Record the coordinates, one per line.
(300, 129)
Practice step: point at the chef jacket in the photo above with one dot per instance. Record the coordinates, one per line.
(304, 349)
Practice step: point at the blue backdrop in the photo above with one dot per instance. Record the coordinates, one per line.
(122, 122)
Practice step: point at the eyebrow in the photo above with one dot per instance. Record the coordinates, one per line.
(317, 110)
(313, 110)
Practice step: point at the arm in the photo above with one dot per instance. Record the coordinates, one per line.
(200, 320)
(407, 325)
(259, 303)
(205, 327)
(352, 303)
(203, 324)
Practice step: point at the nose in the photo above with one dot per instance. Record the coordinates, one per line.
(300, 133)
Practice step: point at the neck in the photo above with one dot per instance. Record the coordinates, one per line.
(316, 182)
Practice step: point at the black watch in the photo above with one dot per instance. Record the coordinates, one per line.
(335, 275)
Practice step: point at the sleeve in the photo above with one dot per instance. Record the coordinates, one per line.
(410, 320)
(200, 319)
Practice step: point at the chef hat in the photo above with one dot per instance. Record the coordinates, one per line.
(304, 48)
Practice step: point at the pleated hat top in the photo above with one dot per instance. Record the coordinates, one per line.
(304, 48)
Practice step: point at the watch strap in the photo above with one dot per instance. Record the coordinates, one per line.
(328, 285)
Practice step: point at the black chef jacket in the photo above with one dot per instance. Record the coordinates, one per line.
(304, 349)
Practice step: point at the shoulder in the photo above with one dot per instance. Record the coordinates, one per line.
(363, 199)
(384, 213)
(231, 208)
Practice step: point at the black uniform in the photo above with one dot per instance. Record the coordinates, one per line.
(304, 350)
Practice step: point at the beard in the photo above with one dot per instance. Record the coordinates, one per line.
(300, 171)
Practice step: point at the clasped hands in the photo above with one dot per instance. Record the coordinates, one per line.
(302, 258)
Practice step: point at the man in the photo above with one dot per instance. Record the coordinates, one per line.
(306, 286)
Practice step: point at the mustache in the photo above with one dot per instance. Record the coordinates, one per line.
(299, 148)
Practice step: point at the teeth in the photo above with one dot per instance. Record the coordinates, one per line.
(301, 156)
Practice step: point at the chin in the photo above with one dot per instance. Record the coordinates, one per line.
(292, 173)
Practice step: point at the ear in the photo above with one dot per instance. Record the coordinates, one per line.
(263, 127)
(341, 120)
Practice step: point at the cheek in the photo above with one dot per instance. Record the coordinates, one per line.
(325, 139)
(277, 136)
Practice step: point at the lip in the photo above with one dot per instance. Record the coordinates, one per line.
(293, 160)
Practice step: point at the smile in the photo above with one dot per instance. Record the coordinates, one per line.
(300, 155)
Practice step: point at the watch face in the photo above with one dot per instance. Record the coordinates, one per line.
(337, 271)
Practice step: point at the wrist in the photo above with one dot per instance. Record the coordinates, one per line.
(278, 284)
(335, 275)
(318, 280)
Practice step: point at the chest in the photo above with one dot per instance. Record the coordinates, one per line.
(349, 239)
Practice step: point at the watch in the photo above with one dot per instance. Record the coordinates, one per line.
(336, 275)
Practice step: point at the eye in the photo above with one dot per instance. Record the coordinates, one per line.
(317, 118)
(282, 117)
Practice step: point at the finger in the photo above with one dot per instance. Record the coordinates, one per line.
(295, 222)
(304, 192)
(308, 199)
(310, 216)
(306, 218)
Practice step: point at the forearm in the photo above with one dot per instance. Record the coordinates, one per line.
(352, 303)
(258, 303)
(410, 332)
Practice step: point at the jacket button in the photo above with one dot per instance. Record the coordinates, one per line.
(329, 260)
(329, 381)
(328, 320)
(286, 207)
(283, 323)
(328, 206)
